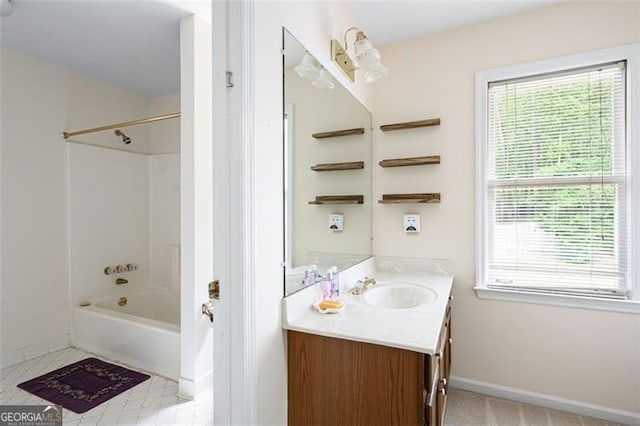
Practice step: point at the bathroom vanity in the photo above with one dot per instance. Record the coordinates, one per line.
(385, 359)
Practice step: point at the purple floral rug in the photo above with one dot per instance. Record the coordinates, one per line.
(83, 385)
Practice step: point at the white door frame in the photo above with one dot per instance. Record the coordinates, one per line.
(235, 363)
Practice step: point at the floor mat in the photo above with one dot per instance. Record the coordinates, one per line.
(84, 384)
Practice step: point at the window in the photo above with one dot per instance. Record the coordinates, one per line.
(555, 207)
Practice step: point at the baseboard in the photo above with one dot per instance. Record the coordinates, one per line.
(204, 382)
(189, 389)
(26, 353)
(547, 401)
(186, 388)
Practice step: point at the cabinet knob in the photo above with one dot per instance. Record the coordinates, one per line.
(450, 340)
(443, 391)
(450, 297)
(444, 381)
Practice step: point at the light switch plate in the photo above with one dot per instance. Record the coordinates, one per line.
(411, 223)
(336, 222)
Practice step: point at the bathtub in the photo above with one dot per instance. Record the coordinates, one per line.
(144, 333)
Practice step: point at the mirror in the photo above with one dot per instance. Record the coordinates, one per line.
(327, 170)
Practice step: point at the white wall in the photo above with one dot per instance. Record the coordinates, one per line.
(164, 136)
(39, 101)
(313, 24)
(582, 355)
(196, 177)
(91, 104)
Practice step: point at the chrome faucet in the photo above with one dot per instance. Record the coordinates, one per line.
(364, 285)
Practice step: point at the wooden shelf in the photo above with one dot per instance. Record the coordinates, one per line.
(338, 199)
(337, 133)
(410, 124)
(410, 198)
(328, 167)
(412, 161)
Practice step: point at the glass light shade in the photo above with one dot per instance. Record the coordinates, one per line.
(368, 59)
(376, 72)
(308, 67)
(324, 80)
(6, 8)
(365, 54)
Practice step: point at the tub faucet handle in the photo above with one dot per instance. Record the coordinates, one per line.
(120, 281)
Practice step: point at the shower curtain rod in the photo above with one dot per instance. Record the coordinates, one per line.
(67, 135)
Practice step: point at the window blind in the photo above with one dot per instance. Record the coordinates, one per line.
(557, 183)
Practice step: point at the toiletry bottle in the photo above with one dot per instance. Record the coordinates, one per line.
(326, 285)
(335, 283)
(313, 274)
(305, 279)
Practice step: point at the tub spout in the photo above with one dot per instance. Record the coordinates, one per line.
(120, 281)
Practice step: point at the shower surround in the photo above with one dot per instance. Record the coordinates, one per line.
(124, 207)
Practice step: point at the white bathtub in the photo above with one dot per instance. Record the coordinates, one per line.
(144, 333)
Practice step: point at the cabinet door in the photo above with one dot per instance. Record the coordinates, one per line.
(342, 382)
(432, 377)
(449, 341)
(441, 403)
(445, 344)
(437, 369)
(443, 357)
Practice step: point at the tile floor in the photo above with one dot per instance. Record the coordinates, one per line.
(153, 402)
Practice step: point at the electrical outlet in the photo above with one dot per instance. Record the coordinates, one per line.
(411, 223)
(336, 222)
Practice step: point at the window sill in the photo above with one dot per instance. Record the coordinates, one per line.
(625, 306)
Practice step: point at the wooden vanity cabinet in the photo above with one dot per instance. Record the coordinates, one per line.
(336, 381)
(443, 358)
(437, 368)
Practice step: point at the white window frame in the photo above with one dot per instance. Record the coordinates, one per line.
(629, 53)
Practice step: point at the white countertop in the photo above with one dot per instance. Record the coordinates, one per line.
(416, 329)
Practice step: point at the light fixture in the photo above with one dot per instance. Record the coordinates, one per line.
(366, 57)
(6, 8)
(308, 67)
(311, 69)
(324, 80)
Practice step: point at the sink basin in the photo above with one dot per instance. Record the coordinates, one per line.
(399, 296)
